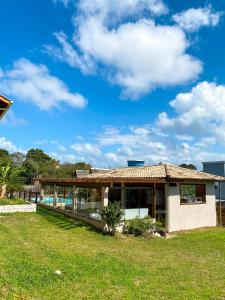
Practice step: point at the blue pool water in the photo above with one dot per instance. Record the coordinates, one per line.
(48, 200)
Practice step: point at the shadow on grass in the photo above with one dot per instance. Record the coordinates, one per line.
(62, 221)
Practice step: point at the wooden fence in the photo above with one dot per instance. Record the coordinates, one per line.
(222, 215)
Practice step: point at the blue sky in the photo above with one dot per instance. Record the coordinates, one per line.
(105, 81)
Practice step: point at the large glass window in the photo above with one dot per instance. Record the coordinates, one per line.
(192, 193)
(89, 202)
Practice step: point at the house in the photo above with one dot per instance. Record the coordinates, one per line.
(4, 105)
(180, 198)
(216, 168)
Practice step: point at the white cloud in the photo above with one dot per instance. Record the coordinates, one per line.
(183, 137)
(9, 146)
(64, 2)
(33, 83)
(61, 148)
(116, 9)
(199, 113)
(86, 149)
(195, 18)
(195, 132)
(12, 120)
(138, 55)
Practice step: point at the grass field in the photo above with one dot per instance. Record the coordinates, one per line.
(96, 266)
(13, 201)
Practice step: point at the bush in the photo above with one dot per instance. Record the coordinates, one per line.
(112, 214)
(143, 226)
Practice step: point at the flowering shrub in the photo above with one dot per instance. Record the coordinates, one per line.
(138, 226)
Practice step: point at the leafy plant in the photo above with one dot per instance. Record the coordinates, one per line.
(12, 201)
(143, 226)
(112, 214)
(10, 179)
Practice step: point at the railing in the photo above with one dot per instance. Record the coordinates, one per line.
(29, 196)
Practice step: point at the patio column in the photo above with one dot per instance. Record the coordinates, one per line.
(55, 195)
(168, 213)
(74, 203)
(123, 195)
(104, 203)
(105, 194)
(42, 194)
(154, 202)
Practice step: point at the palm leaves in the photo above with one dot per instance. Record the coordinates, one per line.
(10, 179)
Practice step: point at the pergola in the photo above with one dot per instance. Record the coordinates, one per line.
(4, 105)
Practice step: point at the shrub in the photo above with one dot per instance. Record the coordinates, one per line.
(112, 215)
(139, 226)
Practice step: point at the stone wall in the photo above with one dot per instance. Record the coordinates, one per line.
(29, 207)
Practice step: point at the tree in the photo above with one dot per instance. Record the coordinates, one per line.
(17, 158)
(82, 166)
(10, 179)
(4, 156)
(38, 163)
(39, 156)
(112, 215)
(69, 169)
(188, 166)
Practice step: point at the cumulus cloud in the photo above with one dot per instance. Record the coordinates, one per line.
(195, 18)
(33, 83)
(9, 146)
(194, 132)
(200, 112)
(86, 148)
(113, 10)
(138, 55)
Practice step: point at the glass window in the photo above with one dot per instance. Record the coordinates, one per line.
(192, 193)
(89, 202)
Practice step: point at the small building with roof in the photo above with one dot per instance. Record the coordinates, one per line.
(180, 198)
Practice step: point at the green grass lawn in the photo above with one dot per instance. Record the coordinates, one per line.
(12, 201)
(96, 266)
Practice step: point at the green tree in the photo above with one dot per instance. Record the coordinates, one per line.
(188, 166)
(39, 156)
(4, 156)
(10, 179)
(38, 163)
(112, 215)
(69, 169)
(82, 166)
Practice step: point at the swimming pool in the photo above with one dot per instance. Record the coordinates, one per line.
(50, 200)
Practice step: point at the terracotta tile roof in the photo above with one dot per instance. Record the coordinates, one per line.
(163, 171)
(158, 173)
(4, 105)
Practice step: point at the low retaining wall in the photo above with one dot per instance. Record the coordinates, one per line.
(29, 207)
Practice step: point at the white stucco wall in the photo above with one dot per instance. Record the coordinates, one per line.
(190, 216)
(29, 207)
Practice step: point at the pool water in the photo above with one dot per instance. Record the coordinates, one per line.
(48, 200)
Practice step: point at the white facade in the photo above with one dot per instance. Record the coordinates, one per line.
(190, 216)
